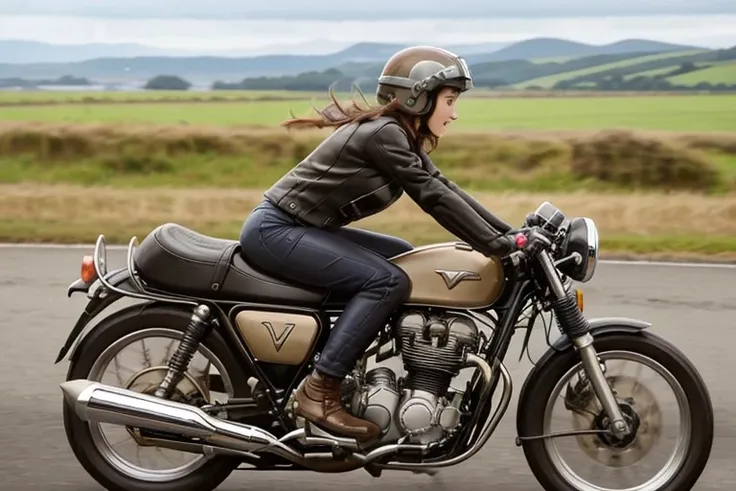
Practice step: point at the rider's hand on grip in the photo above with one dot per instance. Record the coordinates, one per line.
(531, 220)
(532, 241)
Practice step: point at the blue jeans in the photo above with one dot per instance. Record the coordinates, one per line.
(349, 260)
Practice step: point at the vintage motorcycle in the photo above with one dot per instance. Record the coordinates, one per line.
(260, 336)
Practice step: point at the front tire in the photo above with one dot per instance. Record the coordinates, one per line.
(108, 468)
(693, 454)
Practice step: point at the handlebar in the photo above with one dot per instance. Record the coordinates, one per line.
(539, 231)
(532, 240)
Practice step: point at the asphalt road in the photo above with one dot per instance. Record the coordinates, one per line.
(692, 306)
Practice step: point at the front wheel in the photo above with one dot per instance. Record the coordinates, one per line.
(605, 463)
(130, 349)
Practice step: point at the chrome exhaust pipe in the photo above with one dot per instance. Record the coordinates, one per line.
(101, 403)
(96, 402)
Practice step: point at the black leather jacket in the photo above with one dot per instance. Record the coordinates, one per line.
(361, 169)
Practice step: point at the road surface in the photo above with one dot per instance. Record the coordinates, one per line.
(692, 306)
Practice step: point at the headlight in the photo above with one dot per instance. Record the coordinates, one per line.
(582, 237)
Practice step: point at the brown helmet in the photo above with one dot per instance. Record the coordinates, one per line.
(413, 74)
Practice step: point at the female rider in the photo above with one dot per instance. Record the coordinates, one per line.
(298, 232)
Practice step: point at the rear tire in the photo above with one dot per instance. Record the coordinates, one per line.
(128, 321)
(532, 409)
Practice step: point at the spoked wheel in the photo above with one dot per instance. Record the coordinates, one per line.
(656, 387)
(132, 352)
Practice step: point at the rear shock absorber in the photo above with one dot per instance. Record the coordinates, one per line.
(199, 326)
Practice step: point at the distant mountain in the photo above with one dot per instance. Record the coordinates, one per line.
(21, 51)
(118, 65)
(198, 69)
(555, 48)
(13, 51)
(370, 52)
(644, 45)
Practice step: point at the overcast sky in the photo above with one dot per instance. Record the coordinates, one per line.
(360, 9)
(326, 25)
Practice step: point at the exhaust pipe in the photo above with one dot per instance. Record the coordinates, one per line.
(100, 403)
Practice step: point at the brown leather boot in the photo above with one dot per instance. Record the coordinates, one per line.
(318, 401)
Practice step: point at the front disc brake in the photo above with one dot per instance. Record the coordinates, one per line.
(644, 406)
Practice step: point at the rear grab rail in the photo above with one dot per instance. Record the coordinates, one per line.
(99, 259)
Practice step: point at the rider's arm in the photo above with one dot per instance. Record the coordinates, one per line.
(389, 149)
(495, 221)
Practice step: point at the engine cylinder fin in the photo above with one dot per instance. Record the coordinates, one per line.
(433, 348)
(432, 381)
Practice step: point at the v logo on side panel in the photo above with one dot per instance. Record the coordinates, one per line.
(279, 339)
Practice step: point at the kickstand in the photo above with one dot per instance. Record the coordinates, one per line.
(377, 471)
(429, 472)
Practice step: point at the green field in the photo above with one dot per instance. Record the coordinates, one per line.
(676, 113)
(724, 73)
(713, 72)
(52, 97)
(651, 73)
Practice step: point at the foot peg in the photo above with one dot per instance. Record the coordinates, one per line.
(314, 435)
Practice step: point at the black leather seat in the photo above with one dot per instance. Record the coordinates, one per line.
(179, 260)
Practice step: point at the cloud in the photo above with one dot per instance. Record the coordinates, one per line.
(712, 31)
(374, 9)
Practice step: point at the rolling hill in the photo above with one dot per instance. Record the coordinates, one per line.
(717, 73)
(672, 70)
(361, 57)
(637, 59)
(560, 48)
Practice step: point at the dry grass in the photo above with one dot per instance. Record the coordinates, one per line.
(189, 156)
(682, 223)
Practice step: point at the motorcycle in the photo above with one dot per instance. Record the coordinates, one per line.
(260, 336)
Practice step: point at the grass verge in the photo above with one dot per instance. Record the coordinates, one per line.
(186, 156)
(634, 225)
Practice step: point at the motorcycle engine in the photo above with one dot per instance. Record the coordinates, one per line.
(433, 348)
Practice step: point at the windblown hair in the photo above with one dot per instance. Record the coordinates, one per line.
(336, 115)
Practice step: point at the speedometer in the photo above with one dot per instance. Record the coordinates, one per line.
(549, 217)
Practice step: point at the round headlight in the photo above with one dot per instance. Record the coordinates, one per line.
(592, 254)
(582, 237)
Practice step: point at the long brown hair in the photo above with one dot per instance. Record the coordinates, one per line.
(336, 115)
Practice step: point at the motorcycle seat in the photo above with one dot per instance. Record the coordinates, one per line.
(176, 259)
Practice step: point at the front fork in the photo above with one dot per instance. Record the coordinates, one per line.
(575, 325)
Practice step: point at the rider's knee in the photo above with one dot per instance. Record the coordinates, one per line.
(399, 284)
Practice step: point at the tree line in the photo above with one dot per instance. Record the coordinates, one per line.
(504, 74)
(651, 75)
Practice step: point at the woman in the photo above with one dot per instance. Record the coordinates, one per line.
(298, 232)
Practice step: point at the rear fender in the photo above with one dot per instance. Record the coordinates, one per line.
(100, 298)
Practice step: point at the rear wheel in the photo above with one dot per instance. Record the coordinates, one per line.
(121, 460)
(604, 462)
